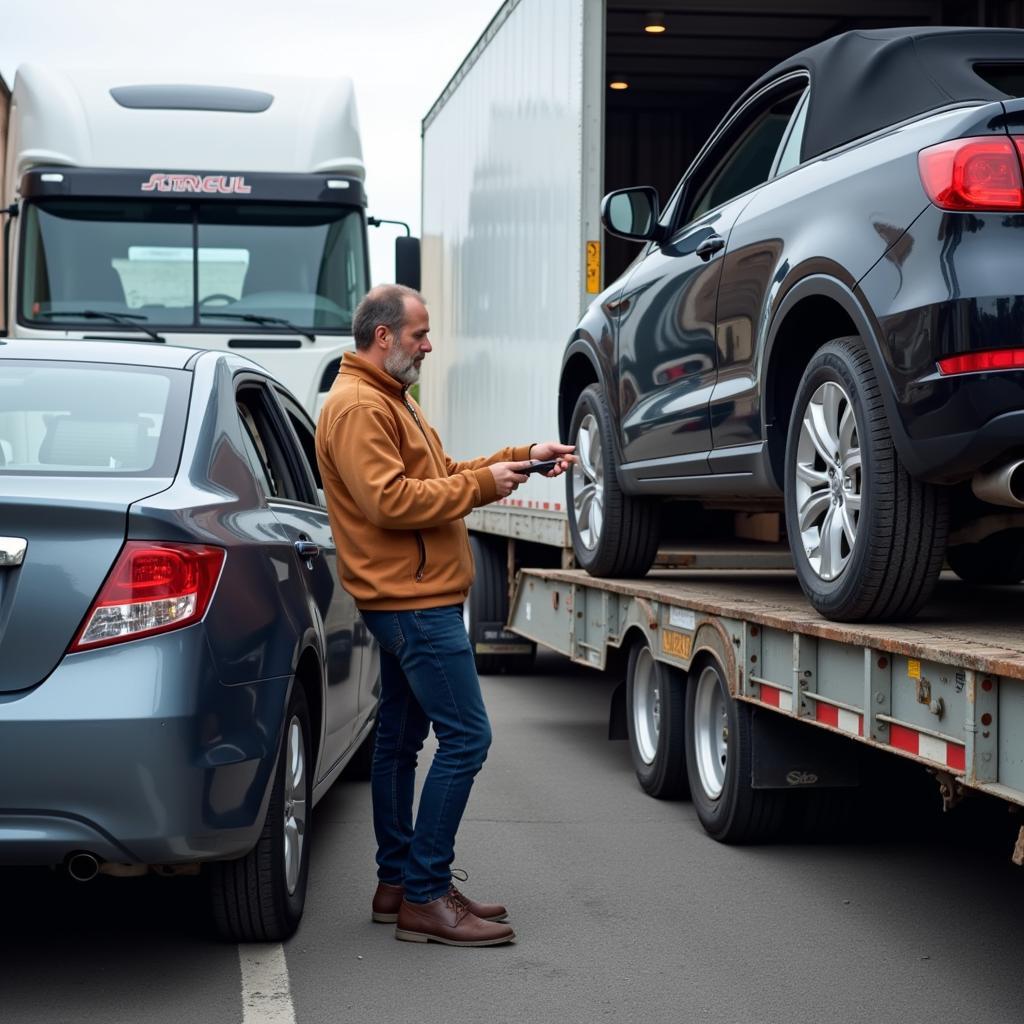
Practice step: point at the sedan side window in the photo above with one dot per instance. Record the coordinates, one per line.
(747, 162)
(790, 155)
(276, 461)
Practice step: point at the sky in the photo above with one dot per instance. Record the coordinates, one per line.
(400, 54)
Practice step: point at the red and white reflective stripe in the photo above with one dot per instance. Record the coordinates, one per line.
(544, 506)
(839, 718)
(951, 754)
(776, 698)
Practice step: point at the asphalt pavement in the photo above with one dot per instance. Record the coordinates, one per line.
(624, 910)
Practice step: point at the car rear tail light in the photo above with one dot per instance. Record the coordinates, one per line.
(974, 362)
(153, 587)
(974, 174)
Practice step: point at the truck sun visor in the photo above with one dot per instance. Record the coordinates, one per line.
(192, 97)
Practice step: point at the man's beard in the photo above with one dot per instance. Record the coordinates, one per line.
(401, 366)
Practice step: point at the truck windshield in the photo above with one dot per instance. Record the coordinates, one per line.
(168, 263)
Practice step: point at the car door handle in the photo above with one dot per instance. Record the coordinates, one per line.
(307, 551)
(710, 245)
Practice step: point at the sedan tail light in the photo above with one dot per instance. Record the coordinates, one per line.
(974, 174)
(153, 587)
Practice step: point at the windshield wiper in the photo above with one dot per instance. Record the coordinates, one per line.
(256, 318)
(125, 319)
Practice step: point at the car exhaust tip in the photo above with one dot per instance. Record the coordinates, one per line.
(83, 867)
(1001, 486)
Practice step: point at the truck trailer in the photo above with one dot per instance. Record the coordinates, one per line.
(209, 210)
(733, 688)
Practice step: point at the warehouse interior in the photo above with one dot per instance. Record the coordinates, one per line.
(672, 67)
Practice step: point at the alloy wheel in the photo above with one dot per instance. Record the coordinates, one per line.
(646, 706)
(711, 733)
(295, 809)
(588, 483)
(829, 480)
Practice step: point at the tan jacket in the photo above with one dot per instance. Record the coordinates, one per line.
(395, 500)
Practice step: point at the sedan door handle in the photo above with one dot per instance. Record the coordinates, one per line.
(710, 245)
(307, 551)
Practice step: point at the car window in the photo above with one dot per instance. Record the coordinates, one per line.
(276, 462)
(790, 155)
(747, 161)
(304, 432)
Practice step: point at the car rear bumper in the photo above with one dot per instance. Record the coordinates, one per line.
(137, 753)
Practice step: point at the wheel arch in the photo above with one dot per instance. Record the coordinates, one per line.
(579, 371)
(309, 677)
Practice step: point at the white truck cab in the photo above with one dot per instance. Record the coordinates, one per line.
(216, 212)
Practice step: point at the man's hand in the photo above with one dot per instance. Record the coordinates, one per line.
(507, 476)
(546, 450)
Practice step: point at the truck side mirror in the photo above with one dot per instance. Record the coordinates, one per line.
(631, 213)
(407, 261)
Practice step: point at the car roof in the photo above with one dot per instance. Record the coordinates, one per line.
(133, 353)
(863, 81)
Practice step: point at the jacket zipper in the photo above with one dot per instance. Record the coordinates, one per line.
(419, 536)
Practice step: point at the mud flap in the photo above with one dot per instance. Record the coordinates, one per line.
(793, 755)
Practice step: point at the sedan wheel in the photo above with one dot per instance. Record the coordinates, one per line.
(260, 897)
(613, 533)
(868, 540)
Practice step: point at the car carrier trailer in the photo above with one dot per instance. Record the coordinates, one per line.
(734, 684)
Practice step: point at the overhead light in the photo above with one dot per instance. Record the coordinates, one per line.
(618, 85)
(655, 23)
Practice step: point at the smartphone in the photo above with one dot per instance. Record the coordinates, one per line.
(541, 467)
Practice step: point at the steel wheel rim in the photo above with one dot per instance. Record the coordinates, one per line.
(294, 804)
(646, 706)
(711, 731)
(588, 483)
(829, 481)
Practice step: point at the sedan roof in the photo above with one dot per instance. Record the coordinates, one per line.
(132, 353)
(863, 81)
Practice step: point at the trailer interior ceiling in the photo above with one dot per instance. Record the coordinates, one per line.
(682, 79)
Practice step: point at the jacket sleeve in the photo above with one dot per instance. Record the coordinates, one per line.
(365, 449)
(519, 453)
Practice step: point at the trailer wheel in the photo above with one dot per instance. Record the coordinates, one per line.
(998, 558)
(485, 611)
(719, 763)
(868, 540)
(613, 533)
(655, 723)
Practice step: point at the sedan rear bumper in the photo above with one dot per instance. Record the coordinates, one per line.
(137, 753)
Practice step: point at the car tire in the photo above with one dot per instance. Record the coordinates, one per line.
(719, 763)
(488, 603)
(886, 532)
(656, 724)
(613, 533)
(260, 897)
(998, 558)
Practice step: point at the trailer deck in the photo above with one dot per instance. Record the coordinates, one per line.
(946, 690)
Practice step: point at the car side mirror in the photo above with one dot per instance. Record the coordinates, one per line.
(632, 213)
(407, 261)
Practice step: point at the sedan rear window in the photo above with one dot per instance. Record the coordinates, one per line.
(1006, 76)
(90, 419)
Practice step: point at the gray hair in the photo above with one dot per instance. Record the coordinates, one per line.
(383, 306)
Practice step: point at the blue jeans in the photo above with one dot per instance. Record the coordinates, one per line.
(427, 676)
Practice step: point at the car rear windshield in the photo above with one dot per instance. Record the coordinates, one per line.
(1007, 77)
(96, 419)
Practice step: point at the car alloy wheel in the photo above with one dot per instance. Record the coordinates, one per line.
(294, 805)
(613, 533)
(588, 483)
(828, 480)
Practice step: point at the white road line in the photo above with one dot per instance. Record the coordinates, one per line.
(266, 994)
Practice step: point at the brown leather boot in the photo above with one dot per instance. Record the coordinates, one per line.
(448, 920)
(388, 898)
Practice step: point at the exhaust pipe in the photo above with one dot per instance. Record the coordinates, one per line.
(83, 867)
(1001, 486)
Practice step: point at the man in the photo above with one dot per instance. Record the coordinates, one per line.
(396, 504)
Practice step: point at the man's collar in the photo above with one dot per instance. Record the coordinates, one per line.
(354, 364)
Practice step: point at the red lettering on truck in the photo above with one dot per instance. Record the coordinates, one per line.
(218, 183)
